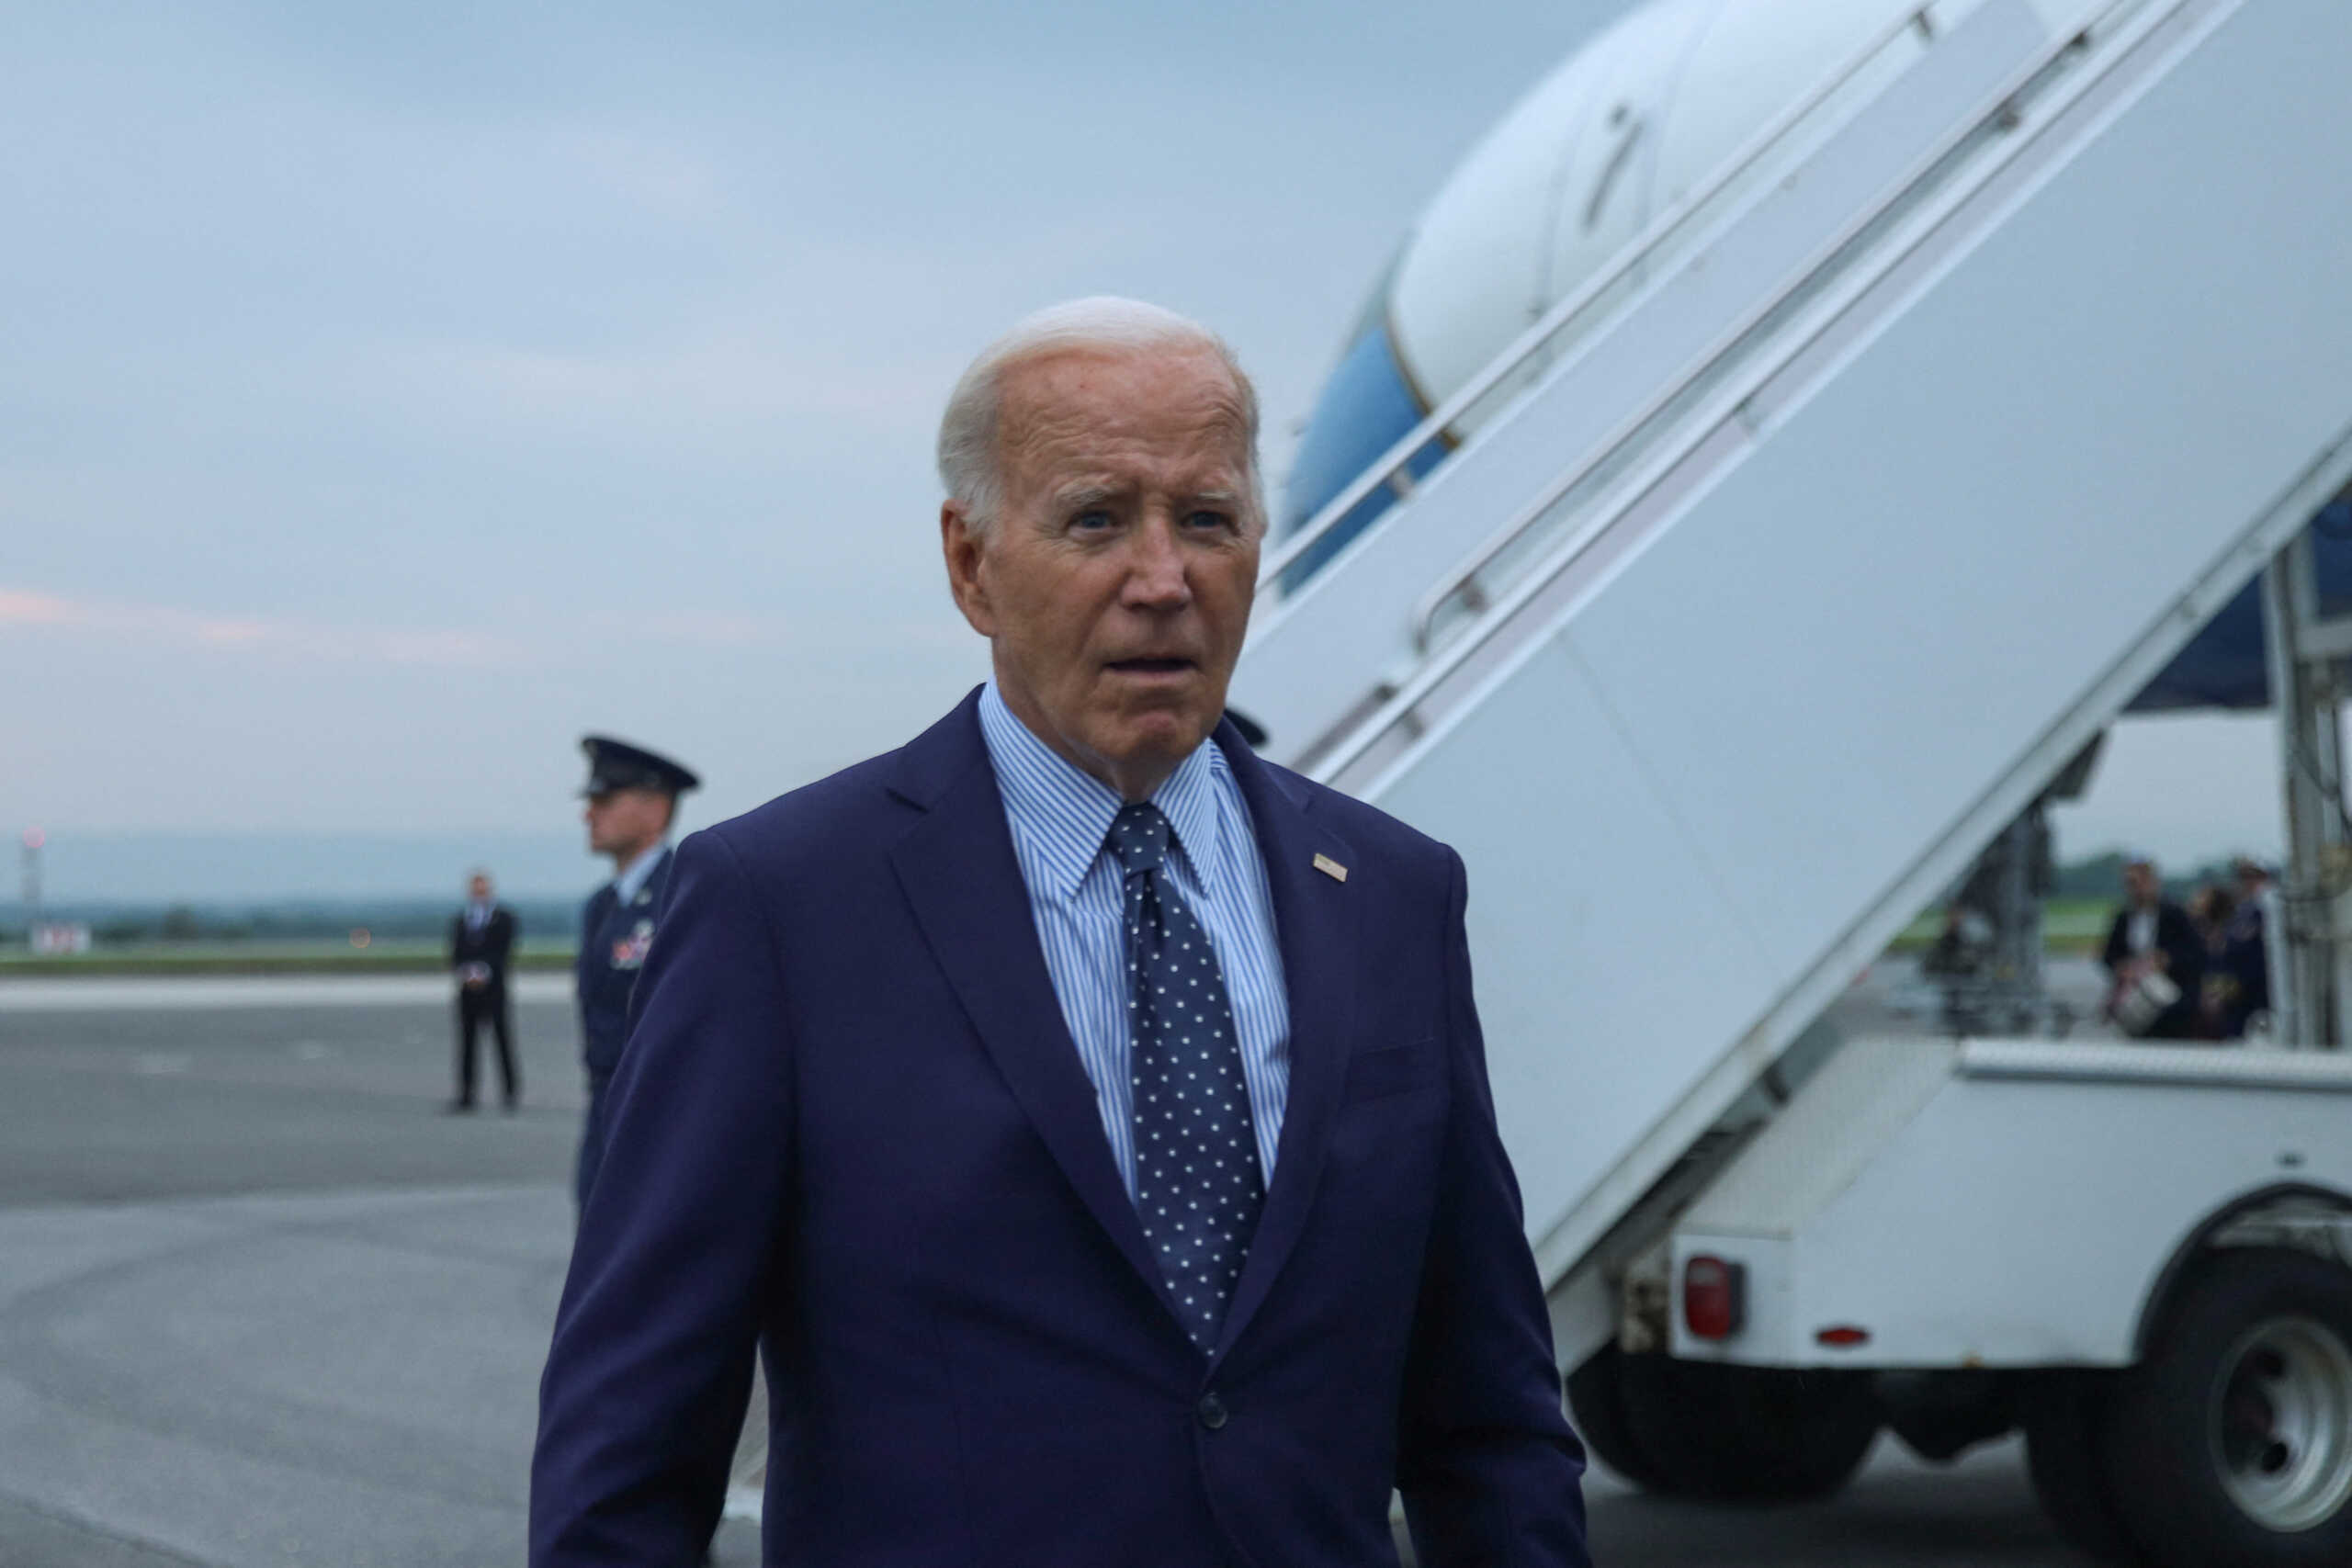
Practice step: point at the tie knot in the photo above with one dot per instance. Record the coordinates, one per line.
(1138, 837)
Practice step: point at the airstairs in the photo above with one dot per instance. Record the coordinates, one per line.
(1731, 612)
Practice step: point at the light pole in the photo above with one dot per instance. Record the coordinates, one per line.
(34, 839)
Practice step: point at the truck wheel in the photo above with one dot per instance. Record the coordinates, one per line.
(2233, 1441)
(1749, 1434)
(1596, 1404)
(2063, 1415)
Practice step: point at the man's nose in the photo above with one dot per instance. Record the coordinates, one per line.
(1156, 574)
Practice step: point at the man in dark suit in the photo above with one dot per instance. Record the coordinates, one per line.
(2152, 935)
(481, 940)
(632, 799)
(2245, 949)
(1087, 1121)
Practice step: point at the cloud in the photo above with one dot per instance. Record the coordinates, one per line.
(448, 646)
(711, 631)
(21, 609)
(442, 646)
(665, 179)
(721, 383)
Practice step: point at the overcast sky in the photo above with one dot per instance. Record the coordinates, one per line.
(390, 394)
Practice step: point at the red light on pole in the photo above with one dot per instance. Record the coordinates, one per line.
(35, 837)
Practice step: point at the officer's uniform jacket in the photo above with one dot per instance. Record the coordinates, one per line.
(614, 939)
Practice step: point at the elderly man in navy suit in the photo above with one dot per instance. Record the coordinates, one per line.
(1086, 1121)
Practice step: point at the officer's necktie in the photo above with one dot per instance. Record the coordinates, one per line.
(1197, 1184)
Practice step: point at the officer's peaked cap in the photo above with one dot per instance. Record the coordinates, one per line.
(616, 764)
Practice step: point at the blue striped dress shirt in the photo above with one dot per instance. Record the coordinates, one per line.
(1059, 815)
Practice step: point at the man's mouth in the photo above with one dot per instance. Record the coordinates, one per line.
(1151, 666)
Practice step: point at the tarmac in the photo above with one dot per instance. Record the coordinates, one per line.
(264, 1305)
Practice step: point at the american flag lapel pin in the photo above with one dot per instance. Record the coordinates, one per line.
(1331, 868)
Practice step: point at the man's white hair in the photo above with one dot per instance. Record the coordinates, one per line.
(970, 462)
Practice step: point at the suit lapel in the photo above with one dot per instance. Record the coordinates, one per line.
(1317, 921)
(958, 869)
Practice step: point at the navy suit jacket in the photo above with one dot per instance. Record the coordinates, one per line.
(850, 1128)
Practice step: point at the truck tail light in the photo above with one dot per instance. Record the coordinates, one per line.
(1714, 1297)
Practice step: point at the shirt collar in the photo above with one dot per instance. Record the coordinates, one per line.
(627, 882)
(1064, 813)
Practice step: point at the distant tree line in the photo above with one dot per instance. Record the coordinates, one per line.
(2101, 876)
(557, 921)
(125, 925)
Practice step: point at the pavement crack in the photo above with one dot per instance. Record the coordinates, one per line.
(149, 1553)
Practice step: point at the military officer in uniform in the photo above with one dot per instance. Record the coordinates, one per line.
(632, 799)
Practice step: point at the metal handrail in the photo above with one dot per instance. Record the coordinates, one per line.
(1433, 601)
(1390, 467)
(2001, 107)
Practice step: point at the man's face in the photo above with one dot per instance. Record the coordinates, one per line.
(2139, 884)
(1115, 583)
(479, 889)
(625, 821)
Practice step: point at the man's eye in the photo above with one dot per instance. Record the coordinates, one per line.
(1090, 522)
(1206, 519)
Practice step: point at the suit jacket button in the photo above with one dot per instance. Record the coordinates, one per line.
(1212, 1411)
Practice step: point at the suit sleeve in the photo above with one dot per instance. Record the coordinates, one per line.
(651, 1367)
(1486, 1460)
(502, 934)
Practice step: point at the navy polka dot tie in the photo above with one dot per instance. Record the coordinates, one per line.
(1197, 1183)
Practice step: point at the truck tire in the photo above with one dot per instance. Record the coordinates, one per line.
(1597, 1408)
(1749, 1434)
(2231, 1442)
(2065, 1415)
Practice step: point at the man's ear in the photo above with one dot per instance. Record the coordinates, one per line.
(965, 546)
